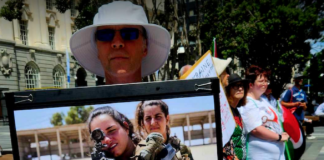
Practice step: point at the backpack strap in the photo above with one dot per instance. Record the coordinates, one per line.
(291, 97)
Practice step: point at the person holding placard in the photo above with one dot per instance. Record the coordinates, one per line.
(121, 45)
(221, 65)
(265, 137)
(236, 93)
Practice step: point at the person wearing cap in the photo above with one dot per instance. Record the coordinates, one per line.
(295, 99)
(265, 137)
(221, 65)
(121, 45)
(236, 93)
(288, 86)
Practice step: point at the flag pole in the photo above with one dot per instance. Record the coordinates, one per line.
(286, 146)
(67, 67)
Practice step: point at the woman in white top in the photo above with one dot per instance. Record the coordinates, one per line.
(265, 138)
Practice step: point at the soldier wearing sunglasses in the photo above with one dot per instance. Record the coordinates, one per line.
(121, 45)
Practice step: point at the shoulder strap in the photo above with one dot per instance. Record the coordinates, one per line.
(139, 147)
(291, 97)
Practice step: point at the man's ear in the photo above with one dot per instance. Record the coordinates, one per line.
(126, 126)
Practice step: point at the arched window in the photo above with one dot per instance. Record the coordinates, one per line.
(59, 77)
(32, 75)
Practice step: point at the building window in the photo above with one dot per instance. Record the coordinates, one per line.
(73, 11)
(59, 77)
(23, 32)
(32, 76)
(51, 33)
(49, 4)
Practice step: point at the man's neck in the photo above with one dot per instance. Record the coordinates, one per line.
(132, 78)
(297, 86)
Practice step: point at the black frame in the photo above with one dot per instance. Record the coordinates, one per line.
(113, 94)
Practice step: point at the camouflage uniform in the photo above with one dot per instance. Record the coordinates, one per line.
(182, 151)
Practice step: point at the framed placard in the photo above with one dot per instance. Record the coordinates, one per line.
(193, 109)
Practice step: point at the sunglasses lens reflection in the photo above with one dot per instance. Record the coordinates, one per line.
(107, 35)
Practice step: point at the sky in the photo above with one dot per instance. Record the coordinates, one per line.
(316, 47)
(40, 118)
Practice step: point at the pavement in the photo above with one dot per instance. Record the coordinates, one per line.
(315, 147)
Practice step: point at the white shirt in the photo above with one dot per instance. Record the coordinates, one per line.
(320, 110)
(254, 114)
(272, 100)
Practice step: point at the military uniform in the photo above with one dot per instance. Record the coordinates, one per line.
(182, 151)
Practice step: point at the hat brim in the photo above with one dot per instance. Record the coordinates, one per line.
(84, 48)
(299, 77)
(244, 81)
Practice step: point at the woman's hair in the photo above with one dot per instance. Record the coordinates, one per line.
(242, 101)
(118, 117)
(253, 72)
(139, 115)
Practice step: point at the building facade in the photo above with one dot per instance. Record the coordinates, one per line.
(33, 50)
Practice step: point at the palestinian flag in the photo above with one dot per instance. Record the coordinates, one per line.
(214, 48)
(295, 147)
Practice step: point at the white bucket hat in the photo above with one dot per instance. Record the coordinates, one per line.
(221, 64)
(84, 48)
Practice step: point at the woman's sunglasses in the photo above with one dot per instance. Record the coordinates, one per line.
(107, 35)
(238, 85)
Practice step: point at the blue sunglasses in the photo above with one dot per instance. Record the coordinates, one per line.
(107, 35)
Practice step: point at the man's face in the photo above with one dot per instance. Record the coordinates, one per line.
(121, 57)
(299, 81)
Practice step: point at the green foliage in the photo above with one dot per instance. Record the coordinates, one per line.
(267, 33)
(87, 10)
(57, 119)
(314, 73)
(62, 5)
(78, 114)
(12, 10)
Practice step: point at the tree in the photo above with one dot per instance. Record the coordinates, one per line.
(267, 33)
(12, 10)
(315, 73)
(57, 119)
(78, 114)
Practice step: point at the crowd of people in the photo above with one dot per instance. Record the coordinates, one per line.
(123, 47)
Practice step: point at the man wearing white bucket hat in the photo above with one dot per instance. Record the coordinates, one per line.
(121, 45)
(220, 65)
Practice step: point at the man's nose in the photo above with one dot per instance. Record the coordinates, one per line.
(118, 41)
